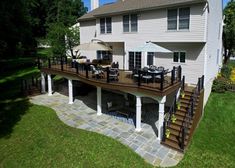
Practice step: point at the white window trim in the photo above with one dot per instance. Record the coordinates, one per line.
(181, 51)
(178, 20)
(105, 26)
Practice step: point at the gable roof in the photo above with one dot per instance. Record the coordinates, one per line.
(125, 6)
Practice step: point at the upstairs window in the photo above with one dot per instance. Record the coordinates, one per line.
(179, 57)
(130, 23)
(172, 19)
(178, 19)
(184, 17)
(106, 25)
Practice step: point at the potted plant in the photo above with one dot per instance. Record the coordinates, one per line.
(178, 104)
(173, 118)
(167, 133)
(182, 94)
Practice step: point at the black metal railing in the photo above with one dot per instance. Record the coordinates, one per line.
(165, 79)
(190, 111)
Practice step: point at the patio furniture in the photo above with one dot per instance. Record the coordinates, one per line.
(152, 68)
(97, 73)
(160, 68)
(135, 73)
(113, 74)
(146, 76)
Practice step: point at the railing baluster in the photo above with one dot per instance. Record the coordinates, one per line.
(183, 83)
(139, 78)
(61, 64)
(162, 81)
(76, 67)
(107, 70)
(182, 138)
(49, 63)
(86, 67)
(199, 84)
(164, 131)
(179, 73)
(172, 76)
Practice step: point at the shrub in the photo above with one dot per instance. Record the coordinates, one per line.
(220, 85)
(226, 71)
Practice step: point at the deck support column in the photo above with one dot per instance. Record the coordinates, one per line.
(43, 83)
(70, 86)
(99, 106)
(161, 117)
(138, 114)
(49, 85)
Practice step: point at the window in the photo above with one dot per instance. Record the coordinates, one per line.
(104, 55)
(178, 19)
(150, 58)
(172, 19)
(184, 15)
(179, 57)
(130, 23)
(105, 25)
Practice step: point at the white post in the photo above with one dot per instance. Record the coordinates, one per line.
(178, 93)
(70, 86)
(138, 114)
(43, 83)
(49, 85)
(161, 117)
(99, 107)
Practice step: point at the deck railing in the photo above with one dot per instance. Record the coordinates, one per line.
(191, 111)
(160, 81)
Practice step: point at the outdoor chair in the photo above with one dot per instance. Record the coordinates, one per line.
(160, 68)
(152, 68)
(97, 73)
(113, 74)
(146, 76)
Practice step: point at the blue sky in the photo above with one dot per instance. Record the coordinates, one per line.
(87, 2)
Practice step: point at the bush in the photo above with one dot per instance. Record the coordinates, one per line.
(226, 71)
(220, 85)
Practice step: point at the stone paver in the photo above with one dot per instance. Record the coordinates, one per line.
(82, 115)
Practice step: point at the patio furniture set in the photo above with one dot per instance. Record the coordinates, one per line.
(151, 73)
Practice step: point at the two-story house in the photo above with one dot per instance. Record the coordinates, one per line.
(190, 29)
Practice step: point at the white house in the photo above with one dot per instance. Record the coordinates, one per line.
(190, 28)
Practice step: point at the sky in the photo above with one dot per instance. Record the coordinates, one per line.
(87, 2)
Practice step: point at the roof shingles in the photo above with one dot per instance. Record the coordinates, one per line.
(125, 6)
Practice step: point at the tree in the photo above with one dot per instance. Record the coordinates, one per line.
(229, 30)
(62, 15)
(16, 37)
(72, 38)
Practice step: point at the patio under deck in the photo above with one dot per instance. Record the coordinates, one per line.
(126, 83)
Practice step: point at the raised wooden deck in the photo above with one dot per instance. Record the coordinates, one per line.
(125, 81)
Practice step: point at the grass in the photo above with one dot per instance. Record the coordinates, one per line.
(40, 139)
(213, 144)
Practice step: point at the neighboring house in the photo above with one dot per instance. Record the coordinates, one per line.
(192, 29)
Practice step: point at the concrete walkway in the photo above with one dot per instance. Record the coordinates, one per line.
(82, 115)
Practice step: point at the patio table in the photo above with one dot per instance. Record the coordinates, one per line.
(154, 73)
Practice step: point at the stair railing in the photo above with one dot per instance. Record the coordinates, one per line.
(190, 111)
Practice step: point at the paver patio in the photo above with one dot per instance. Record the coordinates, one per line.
(82, 115)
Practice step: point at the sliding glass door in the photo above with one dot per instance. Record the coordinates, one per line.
(134, 60)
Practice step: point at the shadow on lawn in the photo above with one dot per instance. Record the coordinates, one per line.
(11, 112)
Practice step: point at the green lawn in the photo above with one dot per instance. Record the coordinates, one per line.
(40, 139)
(213, 144)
